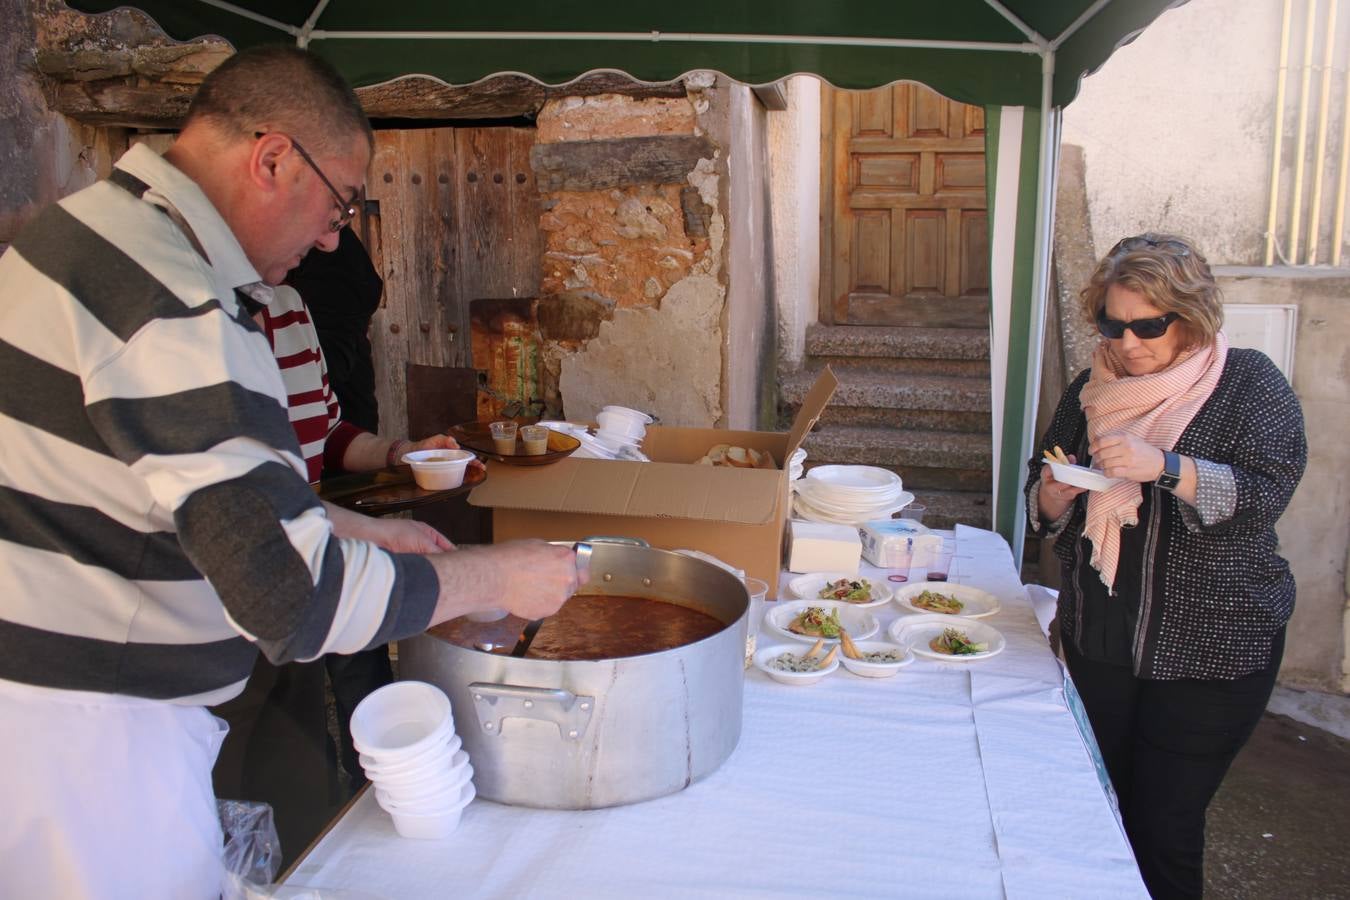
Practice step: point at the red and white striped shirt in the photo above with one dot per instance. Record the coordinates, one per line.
(310, 401)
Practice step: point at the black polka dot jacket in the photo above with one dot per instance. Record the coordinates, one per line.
(1213, 591)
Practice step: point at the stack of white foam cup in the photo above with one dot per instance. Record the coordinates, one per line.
(413, 758)
(620, 427)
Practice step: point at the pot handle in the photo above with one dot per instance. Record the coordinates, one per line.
(493, 703)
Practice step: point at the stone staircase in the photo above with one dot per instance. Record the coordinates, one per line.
(912, 400)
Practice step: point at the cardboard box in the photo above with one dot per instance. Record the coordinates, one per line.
(737, 515)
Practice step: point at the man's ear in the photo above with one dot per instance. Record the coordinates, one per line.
(267, 161)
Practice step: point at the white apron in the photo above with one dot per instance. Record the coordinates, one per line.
(106, 796)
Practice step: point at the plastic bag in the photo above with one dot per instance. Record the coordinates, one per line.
(252, 849)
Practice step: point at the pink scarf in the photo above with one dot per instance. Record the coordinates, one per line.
(1155, 407)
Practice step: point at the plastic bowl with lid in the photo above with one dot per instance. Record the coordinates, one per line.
(438, 470)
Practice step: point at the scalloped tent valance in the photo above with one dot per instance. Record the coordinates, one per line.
(1020, 59)
(984, 52)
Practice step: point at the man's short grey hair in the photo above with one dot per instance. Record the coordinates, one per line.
(282, 89)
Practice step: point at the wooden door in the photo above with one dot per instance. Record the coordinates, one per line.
(452, 215)
(906, 236)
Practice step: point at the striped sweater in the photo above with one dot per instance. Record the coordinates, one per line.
(155, 522)
(310, 401)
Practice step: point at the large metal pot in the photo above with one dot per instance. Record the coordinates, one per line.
(584, 734)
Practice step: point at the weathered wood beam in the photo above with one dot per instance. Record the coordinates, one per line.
(619, 162)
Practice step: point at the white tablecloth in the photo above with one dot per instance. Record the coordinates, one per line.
(948, 780)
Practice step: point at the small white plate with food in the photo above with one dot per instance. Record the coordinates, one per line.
(807, 620)
(948, 638)
(797, 664)
(874, 659)
(946, 598)
(852, 589)
(1078, 476)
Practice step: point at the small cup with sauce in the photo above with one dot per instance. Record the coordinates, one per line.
(504, 437)
(535, 439)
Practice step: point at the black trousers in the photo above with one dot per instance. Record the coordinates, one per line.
(1167, 746)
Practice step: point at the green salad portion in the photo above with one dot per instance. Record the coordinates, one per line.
(851, 590)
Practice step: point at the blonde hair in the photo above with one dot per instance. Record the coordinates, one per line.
(1169, 271)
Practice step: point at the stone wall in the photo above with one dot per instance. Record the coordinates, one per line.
(650, 260)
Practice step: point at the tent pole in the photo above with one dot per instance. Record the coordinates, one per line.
(1040, 285)
(256, 17)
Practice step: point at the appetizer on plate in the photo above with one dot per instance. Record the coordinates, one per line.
(806, 662)
(955, 642)
(932, 601)
(851, 590)
(814, 621)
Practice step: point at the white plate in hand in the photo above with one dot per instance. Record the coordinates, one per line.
(975, 603)
(915, 632)
(1083, 477)
(808, 587)
(859, 623)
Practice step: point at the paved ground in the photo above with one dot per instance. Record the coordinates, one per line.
(1278, 826)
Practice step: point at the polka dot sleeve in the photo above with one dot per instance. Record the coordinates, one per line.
(1215, 496)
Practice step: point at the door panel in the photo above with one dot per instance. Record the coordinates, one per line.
(907, 240)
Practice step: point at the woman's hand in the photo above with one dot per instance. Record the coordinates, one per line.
(1120, 454)
(437, 442)
(1054, 496)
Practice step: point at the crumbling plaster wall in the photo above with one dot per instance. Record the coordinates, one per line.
(43, 155)
(660, 289)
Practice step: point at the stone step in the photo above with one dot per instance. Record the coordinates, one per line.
(900, 449)
(947, 508)
(884, 342)
(908, 419)
(869, 389)
(965, 368)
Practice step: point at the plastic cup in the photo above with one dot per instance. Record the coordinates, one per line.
(504, 437)
(535, 440)
(940, 568)
(400, 721)
(914, 511)
(758, 591)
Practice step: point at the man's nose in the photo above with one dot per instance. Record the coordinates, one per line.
(328, 243)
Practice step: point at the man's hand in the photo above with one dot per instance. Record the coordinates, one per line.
(530, 579)
(394, 535)
(1123, 455)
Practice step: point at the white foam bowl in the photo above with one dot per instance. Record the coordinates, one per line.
(877, 669)
(620, 424)
(430, 826)
(637, 414)
(401, 720)
(1083, 477)
(430, 785)
(438, 470)
(440, 756)
(797, 679)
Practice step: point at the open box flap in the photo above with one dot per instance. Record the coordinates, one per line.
(816, 400)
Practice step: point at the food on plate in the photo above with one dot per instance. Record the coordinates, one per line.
(816, 647)
(852, 590)
(938, 603)
(814, 621)
(955, 642)
(807, 662)
(738, 457)
(1057, 456)
(850, 648)
(829, 657)
(883, 656)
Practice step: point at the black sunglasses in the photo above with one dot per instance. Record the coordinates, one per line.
(1146, 329)
(346, 208)
(1126, 245)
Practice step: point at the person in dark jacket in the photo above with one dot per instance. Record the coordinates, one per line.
(1174, 601)
(342, 291)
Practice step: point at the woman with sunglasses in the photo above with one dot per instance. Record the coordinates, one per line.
(1174, 601)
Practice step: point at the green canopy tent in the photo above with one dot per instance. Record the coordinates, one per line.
(1020, 59)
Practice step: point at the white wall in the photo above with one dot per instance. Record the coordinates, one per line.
(1177, 127)
(794, 175)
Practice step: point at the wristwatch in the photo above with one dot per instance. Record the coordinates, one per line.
(1170, 476)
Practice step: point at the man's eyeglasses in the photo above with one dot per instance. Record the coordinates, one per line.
(1146, 329)
(346, 208)
(1129, 244)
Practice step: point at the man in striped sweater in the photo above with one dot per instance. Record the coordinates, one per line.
(156, 526)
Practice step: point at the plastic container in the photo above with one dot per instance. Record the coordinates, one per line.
(400, 721)
(758, 591)
(534, 440)
(428, 785)
(877, 669)
(504, 437)
(438, 470)
(431, 826)
(440, 754)
(797, 679)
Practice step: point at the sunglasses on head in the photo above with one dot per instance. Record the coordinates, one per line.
(1127, 245)
(1146, 329)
